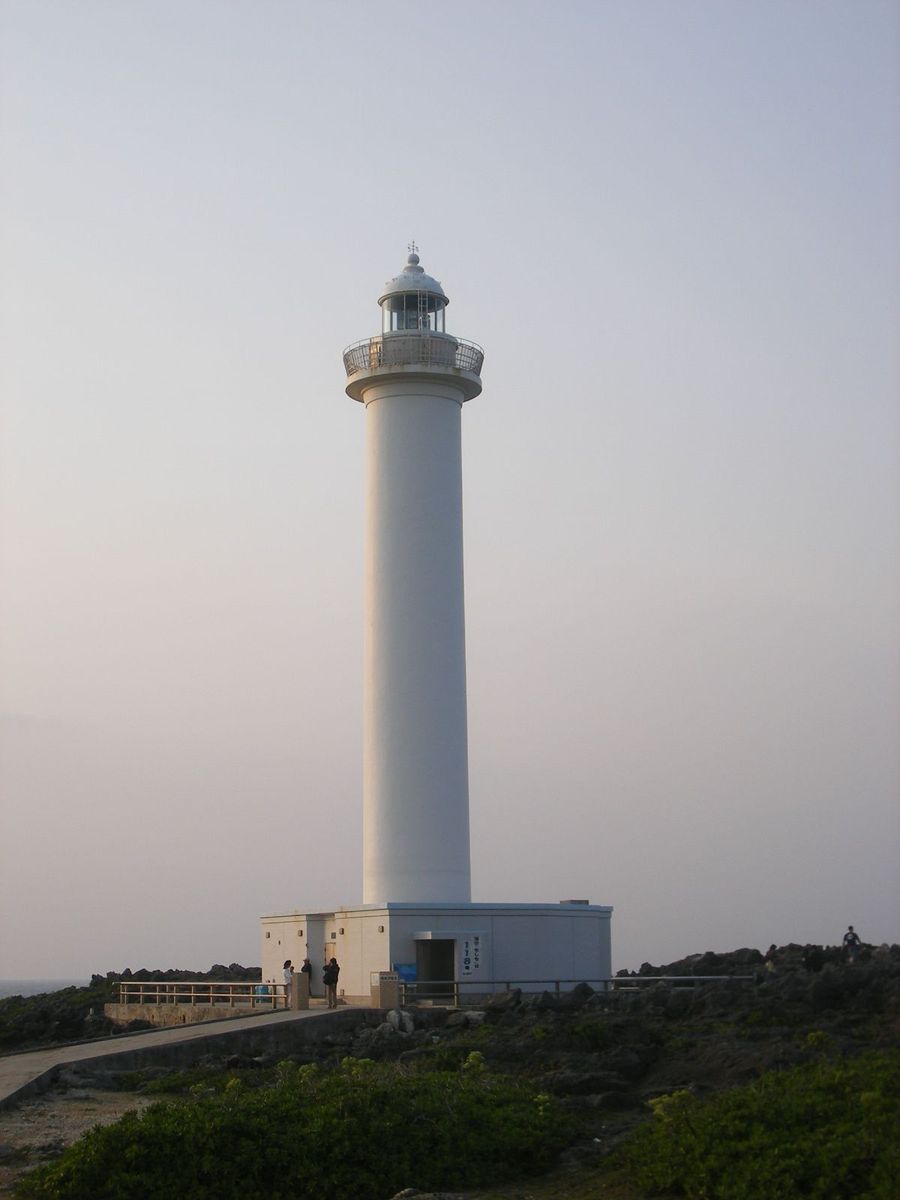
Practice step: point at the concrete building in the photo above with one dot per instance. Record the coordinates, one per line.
(417, 917)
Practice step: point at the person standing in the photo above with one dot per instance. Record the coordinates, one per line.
(288, 979)
(330, 973)
(851, 944)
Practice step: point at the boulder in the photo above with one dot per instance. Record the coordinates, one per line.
(546, 1002)
(503, 1002)
(382, 1042)
(584, 1083)
(599, 1102)
(239, 1062)
(628, 1063)
(401, 1020)
(575, 999)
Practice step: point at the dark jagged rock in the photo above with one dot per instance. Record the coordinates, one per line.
(576, 998)
(736, 962)
(217, 973)
(382, 1042)
(466, 1019)
(603, 1101)
(240, 1062)
(412, 1194)
(546, 1001)
(502, 1002)
(584, 1083)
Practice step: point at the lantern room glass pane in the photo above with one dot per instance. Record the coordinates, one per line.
(412, 311)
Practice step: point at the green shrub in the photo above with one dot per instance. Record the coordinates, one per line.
(590, 1033)
(60, 1016)
(179, 1082)
(827, 1130)
(364, 1132)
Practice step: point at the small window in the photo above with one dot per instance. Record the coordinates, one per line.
(268, 935)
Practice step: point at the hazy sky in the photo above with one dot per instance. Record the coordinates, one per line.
(673, 227)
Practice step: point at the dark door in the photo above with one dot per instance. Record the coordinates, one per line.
(436, 967)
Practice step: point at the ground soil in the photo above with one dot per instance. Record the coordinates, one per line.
(35, 1131)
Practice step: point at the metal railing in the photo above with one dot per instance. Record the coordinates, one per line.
(245, 994)
(458, 992)
(252, 994)
(413, 350)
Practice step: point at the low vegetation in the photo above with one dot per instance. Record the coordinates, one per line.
(363, 1130)
(52, 1017)
(781, 1087)
(828, 1130)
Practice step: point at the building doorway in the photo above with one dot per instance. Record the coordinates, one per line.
(436, 966)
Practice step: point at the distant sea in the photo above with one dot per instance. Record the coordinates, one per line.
(31, 987)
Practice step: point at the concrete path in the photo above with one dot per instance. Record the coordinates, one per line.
(33, 1070)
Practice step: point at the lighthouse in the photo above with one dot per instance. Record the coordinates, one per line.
(413, 379)
(417, 933)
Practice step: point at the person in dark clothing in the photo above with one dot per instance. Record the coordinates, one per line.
(306, 973)
(330, 973)
(851, 944)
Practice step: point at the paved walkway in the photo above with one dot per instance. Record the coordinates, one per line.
(31, 1070)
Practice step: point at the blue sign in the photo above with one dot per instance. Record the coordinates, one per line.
(406, 971)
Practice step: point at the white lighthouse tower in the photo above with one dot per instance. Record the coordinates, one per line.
(413, 379)
(417, 922)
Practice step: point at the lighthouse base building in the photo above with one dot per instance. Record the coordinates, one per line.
(417, 921)
(468, 950)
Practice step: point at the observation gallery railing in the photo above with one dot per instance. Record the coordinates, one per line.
(413, 350)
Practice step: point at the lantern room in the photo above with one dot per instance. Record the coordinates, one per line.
(413, 301)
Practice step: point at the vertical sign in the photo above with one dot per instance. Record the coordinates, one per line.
(471, 954)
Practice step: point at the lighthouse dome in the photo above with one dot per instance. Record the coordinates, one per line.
(413, 279)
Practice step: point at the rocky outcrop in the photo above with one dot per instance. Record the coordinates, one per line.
(736, 962)
(50, 1018)
(217, 973)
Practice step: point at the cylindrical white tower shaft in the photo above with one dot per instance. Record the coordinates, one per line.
(415, 758)
(413, 381)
